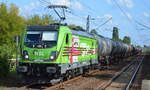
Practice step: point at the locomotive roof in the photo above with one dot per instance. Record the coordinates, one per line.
(43, 27)
(82, 33)
(56, 27)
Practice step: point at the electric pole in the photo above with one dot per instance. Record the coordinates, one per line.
(88, 23)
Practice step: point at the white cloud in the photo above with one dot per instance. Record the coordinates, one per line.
(61, 2)
(39, 6)
(109, 1)
(127, 3)
(71, 19)
(32, 6)
(74, 4)
(111, 23)
(146, 14)
(108, 16)
(127, 15)
(107, 26)
(77, 4)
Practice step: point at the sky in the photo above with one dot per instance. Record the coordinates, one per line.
(132, 17)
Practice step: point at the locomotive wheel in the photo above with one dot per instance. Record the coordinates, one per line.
(73, 74)
(68, 75)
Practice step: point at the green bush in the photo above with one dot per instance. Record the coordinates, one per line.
(5, 55)
(11, 24)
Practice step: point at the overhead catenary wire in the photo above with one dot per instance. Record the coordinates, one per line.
(81, 17)
(69, 10)
(45, 1)
(125, 14)
(104, 23)
(142, 25)
(134, 21)
(39, 8)
(90, 10)
(139, 23)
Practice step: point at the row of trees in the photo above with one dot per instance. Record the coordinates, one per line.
(115, 36)
(10, 24)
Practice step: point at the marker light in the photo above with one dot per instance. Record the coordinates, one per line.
(53, 55)
(25, 55)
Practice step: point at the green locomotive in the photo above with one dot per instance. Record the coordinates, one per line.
(52, 52)
(49, 52)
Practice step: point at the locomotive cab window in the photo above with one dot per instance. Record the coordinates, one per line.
(38, 36)
(43, 38)
(67, 38)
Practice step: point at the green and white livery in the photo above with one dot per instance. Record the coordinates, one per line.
(54, 51)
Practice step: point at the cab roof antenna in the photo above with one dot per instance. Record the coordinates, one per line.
(62, 7)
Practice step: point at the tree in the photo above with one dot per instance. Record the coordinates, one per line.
(127, 40)
(138, 46)
(115, 35)
(40, 20)
(74, 27)
(10, 25)
(94, 31)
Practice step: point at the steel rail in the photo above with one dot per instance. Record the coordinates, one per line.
(134, 75)
(26, 87)
(105, 85)
(61, 84)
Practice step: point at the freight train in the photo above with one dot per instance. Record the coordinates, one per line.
(47, 52)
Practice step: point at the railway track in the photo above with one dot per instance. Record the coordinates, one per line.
(90, 82)
(123, 79)
(58, 85)
(25, 87)
(85, 81)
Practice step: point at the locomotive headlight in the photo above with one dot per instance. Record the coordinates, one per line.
(25, 55)
(53, 55)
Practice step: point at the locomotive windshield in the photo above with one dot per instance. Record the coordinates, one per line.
(38, 36)
(47, 38)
